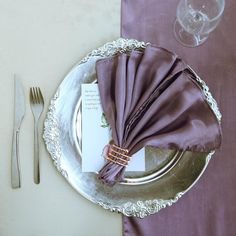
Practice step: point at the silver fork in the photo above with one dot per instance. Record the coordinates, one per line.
(37, 105)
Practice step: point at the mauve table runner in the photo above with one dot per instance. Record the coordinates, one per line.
(209, 207)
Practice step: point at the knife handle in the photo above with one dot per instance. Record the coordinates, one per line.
(15, 162)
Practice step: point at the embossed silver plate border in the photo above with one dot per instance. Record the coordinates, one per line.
(61, 145)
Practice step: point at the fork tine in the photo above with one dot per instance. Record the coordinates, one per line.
(31, 95)
(41, 96)
(38, 95)
(35, 95)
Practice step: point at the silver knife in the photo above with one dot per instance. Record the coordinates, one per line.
(19, 112)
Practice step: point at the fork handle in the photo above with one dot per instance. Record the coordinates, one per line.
(36, 154)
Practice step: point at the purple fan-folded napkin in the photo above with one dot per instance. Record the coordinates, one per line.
(151, 98)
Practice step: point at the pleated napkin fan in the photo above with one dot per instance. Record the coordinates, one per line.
(151, 98)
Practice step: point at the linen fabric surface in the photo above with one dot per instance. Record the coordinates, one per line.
(151, 98)
(208, 208)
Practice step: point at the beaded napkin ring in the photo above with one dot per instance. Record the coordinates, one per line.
(118, 155)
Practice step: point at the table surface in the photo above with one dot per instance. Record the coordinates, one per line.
(40, 41)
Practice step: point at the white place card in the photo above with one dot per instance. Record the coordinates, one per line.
(96, 133)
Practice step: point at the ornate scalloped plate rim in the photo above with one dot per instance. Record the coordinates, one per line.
(52, 133)
(145, 208)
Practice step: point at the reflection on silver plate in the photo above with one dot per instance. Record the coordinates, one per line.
(169, 174)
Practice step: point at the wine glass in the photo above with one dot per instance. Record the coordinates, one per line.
(195, 19)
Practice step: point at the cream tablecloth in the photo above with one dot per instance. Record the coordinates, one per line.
(40, 41)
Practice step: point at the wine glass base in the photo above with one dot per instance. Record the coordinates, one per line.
(187, 39)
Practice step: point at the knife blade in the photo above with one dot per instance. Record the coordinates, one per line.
(19, 112)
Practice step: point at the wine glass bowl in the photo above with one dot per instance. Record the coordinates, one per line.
(195, 19)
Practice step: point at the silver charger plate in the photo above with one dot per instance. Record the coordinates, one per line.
(169, 174)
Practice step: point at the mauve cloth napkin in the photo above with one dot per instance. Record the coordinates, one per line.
(151, 98)
(209, 207)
